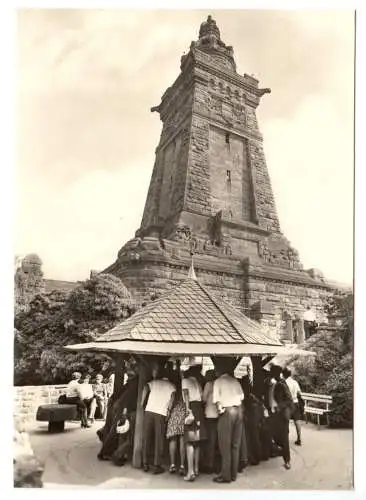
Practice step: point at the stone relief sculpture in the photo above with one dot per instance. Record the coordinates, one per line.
(182, 233)
(316, 274)
(263, 251)
(286, 256)
(215, 230)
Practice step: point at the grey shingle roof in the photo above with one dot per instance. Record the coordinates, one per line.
(189, 314)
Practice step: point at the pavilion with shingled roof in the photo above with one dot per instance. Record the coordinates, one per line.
(186, 321)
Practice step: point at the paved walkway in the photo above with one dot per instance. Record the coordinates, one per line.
(323, 462)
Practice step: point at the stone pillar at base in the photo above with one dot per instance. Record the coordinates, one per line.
(301, 332)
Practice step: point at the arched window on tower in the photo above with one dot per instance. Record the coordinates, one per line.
(228, 181)
(227, 141)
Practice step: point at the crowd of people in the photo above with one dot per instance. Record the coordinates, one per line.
(89, 396)
(211, 424)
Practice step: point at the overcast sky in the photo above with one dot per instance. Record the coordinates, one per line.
(86, 137)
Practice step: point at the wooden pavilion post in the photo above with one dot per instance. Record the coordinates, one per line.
(137, 442)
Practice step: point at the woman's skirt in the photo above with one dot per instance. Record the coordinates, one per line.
(196, 432)
(175, 425)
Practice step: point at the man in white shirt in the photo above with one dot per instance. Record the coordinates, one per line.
(295, 391)
(228, 396)
(159, 394)
(72, 387)
(86, 392)
(75, 396)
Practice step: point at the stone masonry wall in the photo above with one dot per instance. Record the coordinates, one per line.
(269, 301)
(285, 299)
(198, 186)
(180, 176)
(231, 183)
(151, 210)
(28, 398)
(263, 194)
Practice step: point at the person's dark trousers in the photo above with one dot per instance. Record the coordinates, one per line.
(230, 427)
(88, 403)
(243, 457)
(109, 435)
(154, 426)
(210, 445)
(253, 429)
(81, 406)
(254, 443)
(283, 429)
(275, 428)
(132, 419)
(111, 412)
(266, 439)
(124, 444)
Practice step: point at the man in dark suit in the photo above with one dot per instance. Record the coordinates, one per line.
(283, 408)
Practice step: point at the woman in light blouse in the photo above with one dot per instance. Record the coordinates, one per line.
(195, 430)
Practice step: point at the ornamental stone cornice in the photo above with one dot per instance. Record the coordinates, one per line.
(281, 275)
(245, 82)
(244, 133)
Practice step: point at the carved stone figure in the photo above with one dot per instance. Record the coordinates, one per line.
(215, 229)
(193, 244)
(182, 233)
(228, 249)
(207, 246)
(264, 251)
(239, 113)
(215, 105)
(294, 259)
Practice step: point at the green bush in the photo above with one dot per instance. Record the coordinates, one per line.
(340, 386)
(55, 319)
(331, 370)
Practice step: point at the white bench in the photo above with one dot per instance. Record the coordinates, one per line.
(320, 399)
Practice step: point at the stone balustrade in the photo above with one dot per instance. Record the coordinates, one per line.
(28, 398)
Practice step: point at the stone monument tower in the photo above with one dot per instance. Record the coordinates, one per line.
(210, 194)
(28, 281)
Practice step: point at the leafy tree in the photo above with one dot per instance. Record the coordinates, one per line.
(55, 319)
(331, 370)
(340, 385)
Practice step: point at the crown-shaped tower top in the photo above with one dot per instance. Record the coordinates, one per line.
(209, 41)
(209, 28)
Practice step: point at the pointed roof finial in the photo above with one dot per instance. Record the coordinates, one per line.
(191, 272)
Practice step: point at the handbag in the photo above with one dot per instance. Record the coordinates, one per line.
(189, 418)
(193, 435)
(123, 426)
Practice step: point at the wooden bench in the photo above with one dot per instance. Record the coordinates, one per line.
(56, 415)
(317, 404)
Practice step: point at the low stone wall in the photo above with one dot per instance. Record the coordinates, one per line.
(28, 398)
